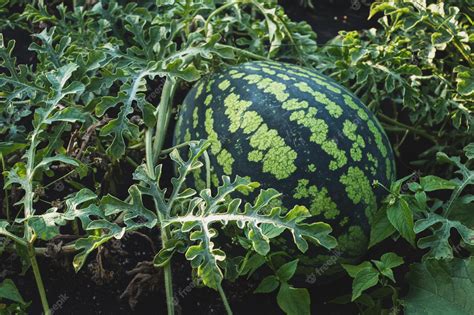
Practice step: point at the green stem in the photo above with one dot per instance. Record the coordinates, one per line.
(168, 277)
(224, 299)
(131, 162)
(66, 249)
(178, 146)
(164, 110)
(406, 127)
(7, 205)
(207, 162)
(219, 10)
(149, 152)
(243, 52)
(75, 227)
(457, 43)
(136, 146)
(262, 10)
(58, 179)
(455, 195)
(38, 279)
(14, 238)
(164, 231)
(29, 175)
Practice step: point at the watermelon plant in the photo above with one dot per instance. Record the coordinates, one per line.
(189, 217)
(299, 132)
(415, 71)
(273, 152)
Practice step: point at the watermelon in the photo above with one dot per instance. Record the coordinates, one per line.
(298, 131)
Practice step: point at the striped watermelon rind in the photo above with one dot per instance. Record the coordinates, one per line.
(295, 130)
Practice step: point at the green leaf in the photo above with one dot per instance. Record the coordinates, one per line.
(4, 224)
(204, 257)
(293, 301)
(390, 84)
(121, 126)
(87, 245)
(285, 272)
(9, 291)
(364, 279)
(462, 211)
(380, 7)
(75, 207)
(469, 151)
(465, 80)
(232, 268)
(268, 284)
(135, 214)
(10, 147)
(46, 226)
(58, 79)
(353, 270)
(386, 263)
(202, 212)
(317, 232)
(48, 47)
(432, 183)
(467, 178)
(401, 217)
(17, 175)
(57, 158)
(440, 39)
(391, 260)
(381, 228)
(251, 263)
(18, 83)
(187, 73)
(68, 114)
(439, 287)
(384, 271)
(166, 253)
(438, 242)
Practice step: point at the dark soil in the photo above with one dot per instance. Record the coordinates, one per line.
(328, 17)
(97, 289)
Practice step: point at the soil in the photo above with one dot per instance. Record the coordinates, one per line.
(328, 17)
(99, 287)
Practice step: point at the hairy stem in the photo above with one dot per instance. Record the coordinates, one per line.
(149, 152)
(455, 195)
(407, 127)
(207, 163)
(243, 52)
(66, 249)
(224, 299)
(178, 146)
(164, 113)
(7, 203)
(219, 10)
(38, 279)
(13, 237)
(168, 277)
(164, 231)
